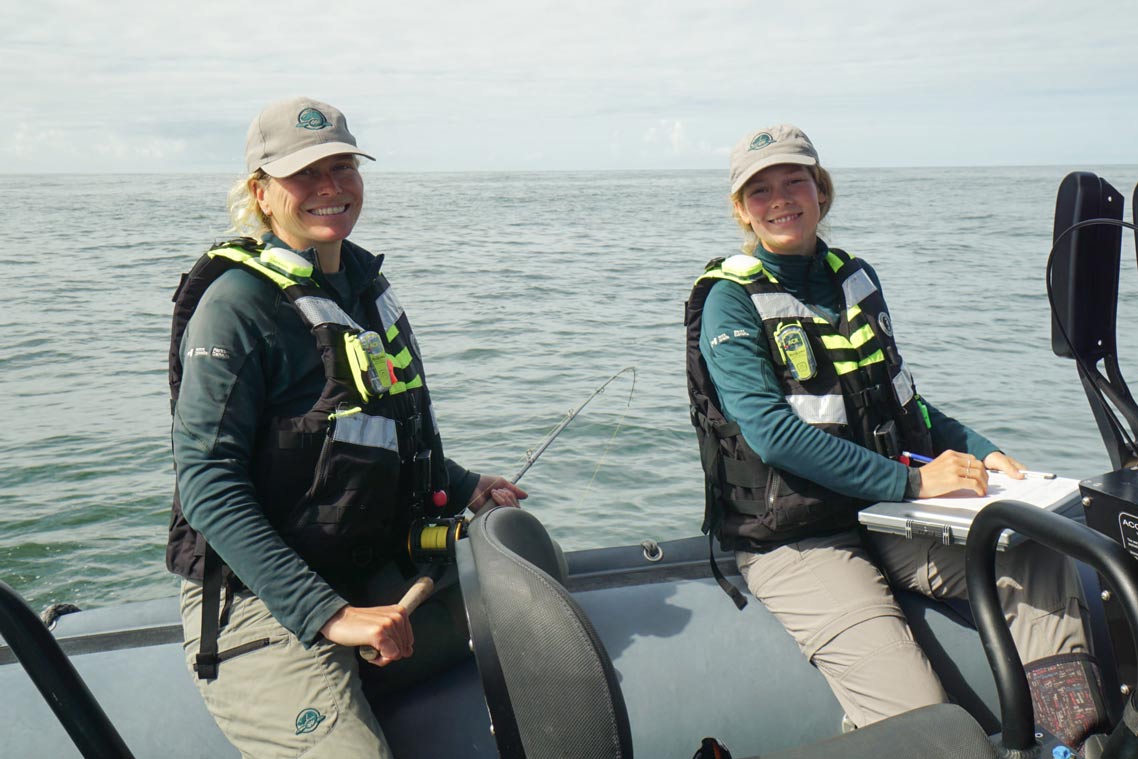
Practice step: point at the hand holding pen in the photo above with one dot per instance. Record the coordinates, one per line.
(990, 464)
(949, 472)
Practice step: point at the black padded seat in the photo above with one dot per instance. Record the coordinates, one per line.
(549, 683)
(942, 731)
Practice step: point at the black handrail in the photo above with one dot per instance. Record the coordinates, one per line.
(1101, 553)
(58, 682)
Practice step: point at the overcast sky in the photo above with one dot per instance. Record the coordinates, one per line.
(134, 85)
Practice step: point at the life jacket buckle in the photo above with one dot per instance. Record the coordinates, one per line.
(205, 665)
(870, 396)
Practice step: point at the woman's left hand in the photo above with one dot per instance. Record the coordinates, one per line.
(498, 490)
(1001, 462)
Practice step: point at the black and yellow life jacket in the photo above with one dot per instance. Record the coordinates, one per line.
(847, 379)
(342, 481)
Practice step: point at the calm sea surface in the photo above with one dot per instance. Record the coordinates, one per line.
(527, 291)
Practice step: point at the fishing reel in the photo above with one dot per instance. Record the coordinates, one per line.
(432, 540)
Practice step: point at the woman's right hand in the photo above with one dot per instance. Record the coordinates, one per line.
(387, 629)
(952, 471)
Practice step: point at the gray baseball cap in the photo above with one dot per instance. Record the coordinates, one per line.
(768, 147)
(290, 134)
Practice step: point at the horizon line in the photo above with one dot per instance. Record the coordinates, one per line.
(378, 170)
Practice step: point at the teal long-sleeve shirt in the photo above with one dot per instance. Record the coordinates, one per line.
(260, 361)
(745, 377)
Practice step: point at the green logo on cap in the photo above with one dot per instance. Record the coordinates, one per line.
(762, 139)
(310, 118)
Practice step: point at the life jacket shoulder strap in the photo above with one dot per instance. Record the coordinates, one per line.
(191, 287)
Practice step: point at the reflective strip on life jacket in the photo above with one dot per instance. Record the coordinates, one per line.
(390, 309)
(402, 359)
(781, 305)
(282, 281)
(849, 366)
(903, 385)
(242, 256)
(834, 260)
(233, 254)
(317, 311)
(819, 409)
(861, 336)
(836, 342)
(857, 287)
(370, 431)
(400, 387)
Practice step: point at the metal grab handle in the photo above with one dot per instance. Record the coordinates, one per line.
(55, 677)
(1077, 540)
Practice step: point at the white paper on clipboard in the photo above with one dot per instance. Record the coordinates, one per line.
(948, 518)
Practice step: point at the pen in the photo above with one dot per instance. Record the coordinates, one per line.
(1025, 472)
(916, 457)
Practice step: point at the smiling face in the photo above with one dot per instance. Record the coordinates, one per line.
(782, 205)
(316, 207)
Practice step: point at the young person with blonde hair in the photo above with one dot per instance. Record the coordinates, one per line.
(803, 405)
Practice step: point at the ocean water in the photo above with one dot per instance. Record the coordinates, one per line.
(527, 292)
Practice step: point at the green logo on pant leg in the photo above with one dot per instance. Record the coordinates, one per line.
(308, 720)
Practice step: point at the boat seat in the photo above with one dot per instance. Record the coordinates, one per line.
(551, 688)
(941, 730)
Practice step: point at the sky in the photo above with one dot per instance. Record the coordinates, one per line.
(124, 86)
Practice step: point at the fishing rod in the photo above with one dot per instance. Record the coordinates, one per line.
(534, 454)
(433, 541)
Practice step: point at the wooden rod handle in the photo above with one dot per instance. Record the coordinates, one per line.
(419, 592)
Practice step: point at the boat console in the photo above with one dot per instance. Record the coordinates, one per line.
(1083, 277)
(1082, 286)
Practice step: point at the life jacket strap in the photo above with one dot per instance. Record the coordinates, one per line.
(733, 592)
(727, 430)
(291, 440)
(206, 661)
(744, 475)
(877, 395)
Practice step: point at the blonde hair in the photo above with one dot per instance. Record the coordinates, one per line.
(245, 214)
(822, 180)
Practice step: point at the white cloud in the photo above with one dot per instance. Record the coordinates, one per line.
(542, 84)
(668, 133)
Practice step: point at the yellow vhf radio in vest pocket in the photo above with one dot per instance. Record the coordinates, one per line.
(794, 349)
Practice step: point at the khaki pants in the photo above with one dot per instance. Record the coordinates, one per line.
(282, 699)
(832, 598)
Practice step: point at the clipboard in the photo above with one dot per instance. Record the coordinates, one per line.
(948, 518)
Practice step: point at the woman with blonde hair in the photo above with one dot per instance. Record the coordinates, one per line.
(304, 445)
(804, 408)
